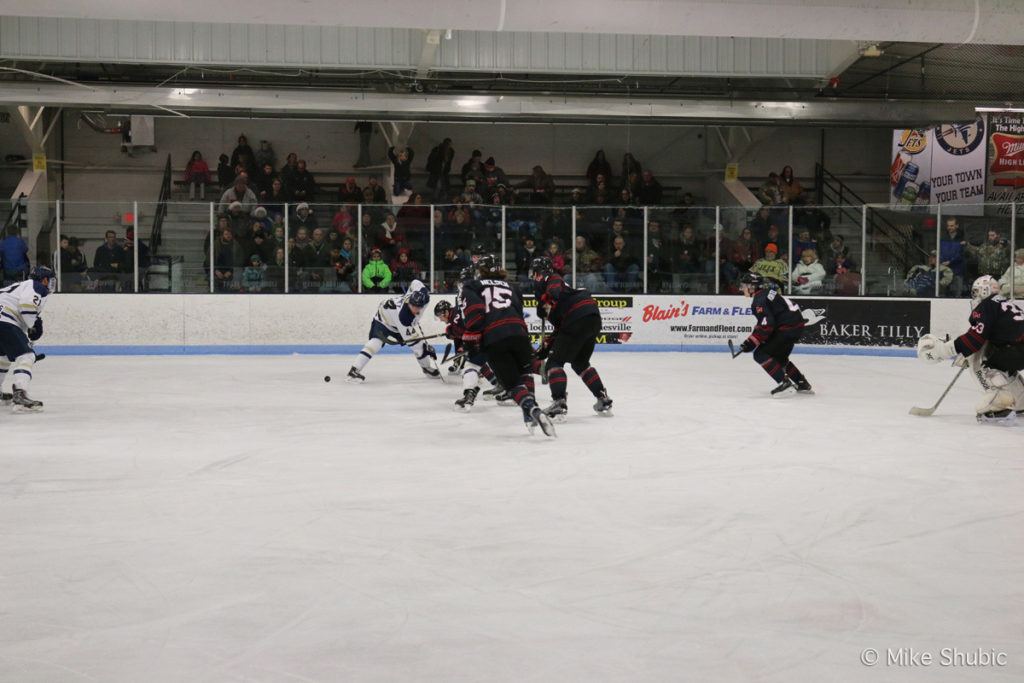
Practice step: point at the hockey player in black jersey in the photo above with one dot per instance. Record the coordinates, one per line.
(993, 347)
(473, 367)
(493, 313)
(778, 329)
(577, 321)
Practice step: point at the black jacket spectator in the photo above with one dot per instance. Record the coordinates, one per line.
(599, 166)
(540, 185)
(649, 193)
(349, 192)
(243, 154)
(303, 186)
(109, 256)
(402, 161)
(225, 172)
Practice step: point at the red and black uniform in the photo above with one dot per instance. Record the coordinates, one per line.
(778, 329)
(455, 329)
(493, 314)
(577, 321)
(1000, 324)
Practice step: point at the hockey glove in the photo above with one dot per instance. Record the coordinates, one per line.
(429, 350)
(36, 331)
(542, 311)
(747, 346)
(931, 349)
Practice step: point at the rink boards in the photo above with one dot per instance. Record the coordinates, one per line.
(296, 323)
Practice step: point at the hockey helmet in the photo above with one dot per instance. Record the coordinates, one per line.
(542, 265)
(40, 273)
(468, 273)
(755, 280)
(442, 308)
(984, 287)
(488, 263)
(419, 298)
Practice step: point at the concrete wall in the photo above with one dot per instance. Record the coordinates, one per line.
(679, 153)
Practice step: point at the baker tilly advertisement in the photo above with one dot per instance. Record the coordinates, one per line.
(707, 320)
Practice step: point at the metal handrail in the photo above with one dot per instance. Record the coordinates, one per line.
(14, 213)
(161, 209)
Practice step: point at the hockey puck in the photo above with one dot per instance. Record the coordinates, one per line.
(327, 378)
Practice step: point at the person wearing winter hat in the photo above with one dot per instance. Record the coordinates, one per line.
(376, 274)
(771, 266)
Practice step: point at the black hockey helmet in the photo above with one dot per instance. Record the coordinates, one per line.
(488, 263)
(755, 280)
(542, 265)
(468, 273)
(419, 298)
(442, 308)
(40, 273)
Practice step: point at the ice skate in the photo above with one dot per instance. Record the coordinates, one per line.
(603, 405)
(1003, 417)
(354, 376)
(6, 399)
(536, 418)
(505, 399)
(493, 392)
(558, 411)
(465, 404)
(432, 373)
(804, 387)
(24, 404)
(785, 389)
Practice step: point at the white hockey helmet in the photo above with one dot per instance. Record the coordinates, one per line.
(984, 287)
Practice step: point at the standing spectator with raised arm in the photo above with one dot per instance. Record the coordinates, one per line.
(402, 161)
(439, 167)
(993, 256)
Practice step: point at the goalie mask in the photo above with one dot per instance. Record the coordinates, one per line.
(984, 287)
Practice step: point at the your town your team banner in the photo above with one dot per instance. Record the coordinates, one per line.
(940, 165)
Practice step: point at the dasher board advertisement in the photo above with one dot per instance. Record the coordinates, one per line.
(1005, 182)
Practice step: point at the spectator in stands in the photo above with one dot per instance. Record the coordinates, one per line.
(129, 247)
(650, 192)
(389, 237)
(439, 167)
(344, 221)
(14, 256)
(599, 166)
(414, 216)
(951, 253)
(473, 168)
(288, 171)
(108, 262)
(554, 253)
(265, 182)
(993, 256)
(318, 261)
(773, 237)
(365, 130)
(349, 192)
(303, 218)
(403, 271)
(789, 186)
(238, 221)
(840, 262)
(299, 253)
(744, 251)
(260, 244)
(238, 192)
(275, 202)
(303, 186)
(689, 255)
(72, 265)
(621, 271)
(601, 196)
(846, 277)
(804, 242)
(921, 278)
(1014, 275)
(630, 166)
(618, 229)
(526, 251)
(770, 193)
(377, 193)
(345, 265)
(771, 266)
(277, 239)
(589, 266)
(836, 248)
(808, 274)
(759, 225)
(625, 197)
(252, 276)
(376, 274)
(225, 172)
(265, 155)
(273, 275)
(494, 175)
(659, 259)
(243, 155)
(540, 185)
(197, 175)
(263, 220)
(402, 162)
(470, 195)
(577, 196)
(227, 256)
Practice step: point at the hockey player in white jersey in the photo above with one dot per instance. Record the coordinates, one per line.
(21, 323)
(397, 320)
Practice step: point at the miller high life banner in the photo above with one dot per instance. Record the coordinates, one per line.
(1005, 163)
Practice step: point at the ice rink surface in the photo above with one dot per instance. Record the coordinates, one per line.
(236, 518)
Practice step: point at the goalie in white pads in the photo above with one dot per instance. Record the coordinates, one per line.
(397, 320)
(21, 308)
(993, 347)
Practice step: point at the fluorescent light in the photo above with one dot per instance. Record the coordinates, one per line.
(998, 110)
(471, 102)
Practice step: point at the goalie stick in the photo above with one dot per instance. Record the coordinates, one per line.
(927, 412)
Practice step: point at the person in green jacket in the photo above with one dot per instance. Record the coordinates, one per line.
(771, 266)
(376, 274)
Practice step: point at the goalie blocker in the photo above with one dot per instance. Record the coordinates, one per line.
(993, 348)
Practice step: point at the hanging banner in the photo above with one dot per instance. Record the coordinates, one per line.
(940, 165)
(958, 166)
(1005, 181)
(911, 170)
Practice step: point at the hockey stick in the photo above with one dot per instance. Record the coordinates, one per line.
(733, 351)
(433, 359)
(927, 412)
(416, 340)
(447, 350)
(543, 334)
